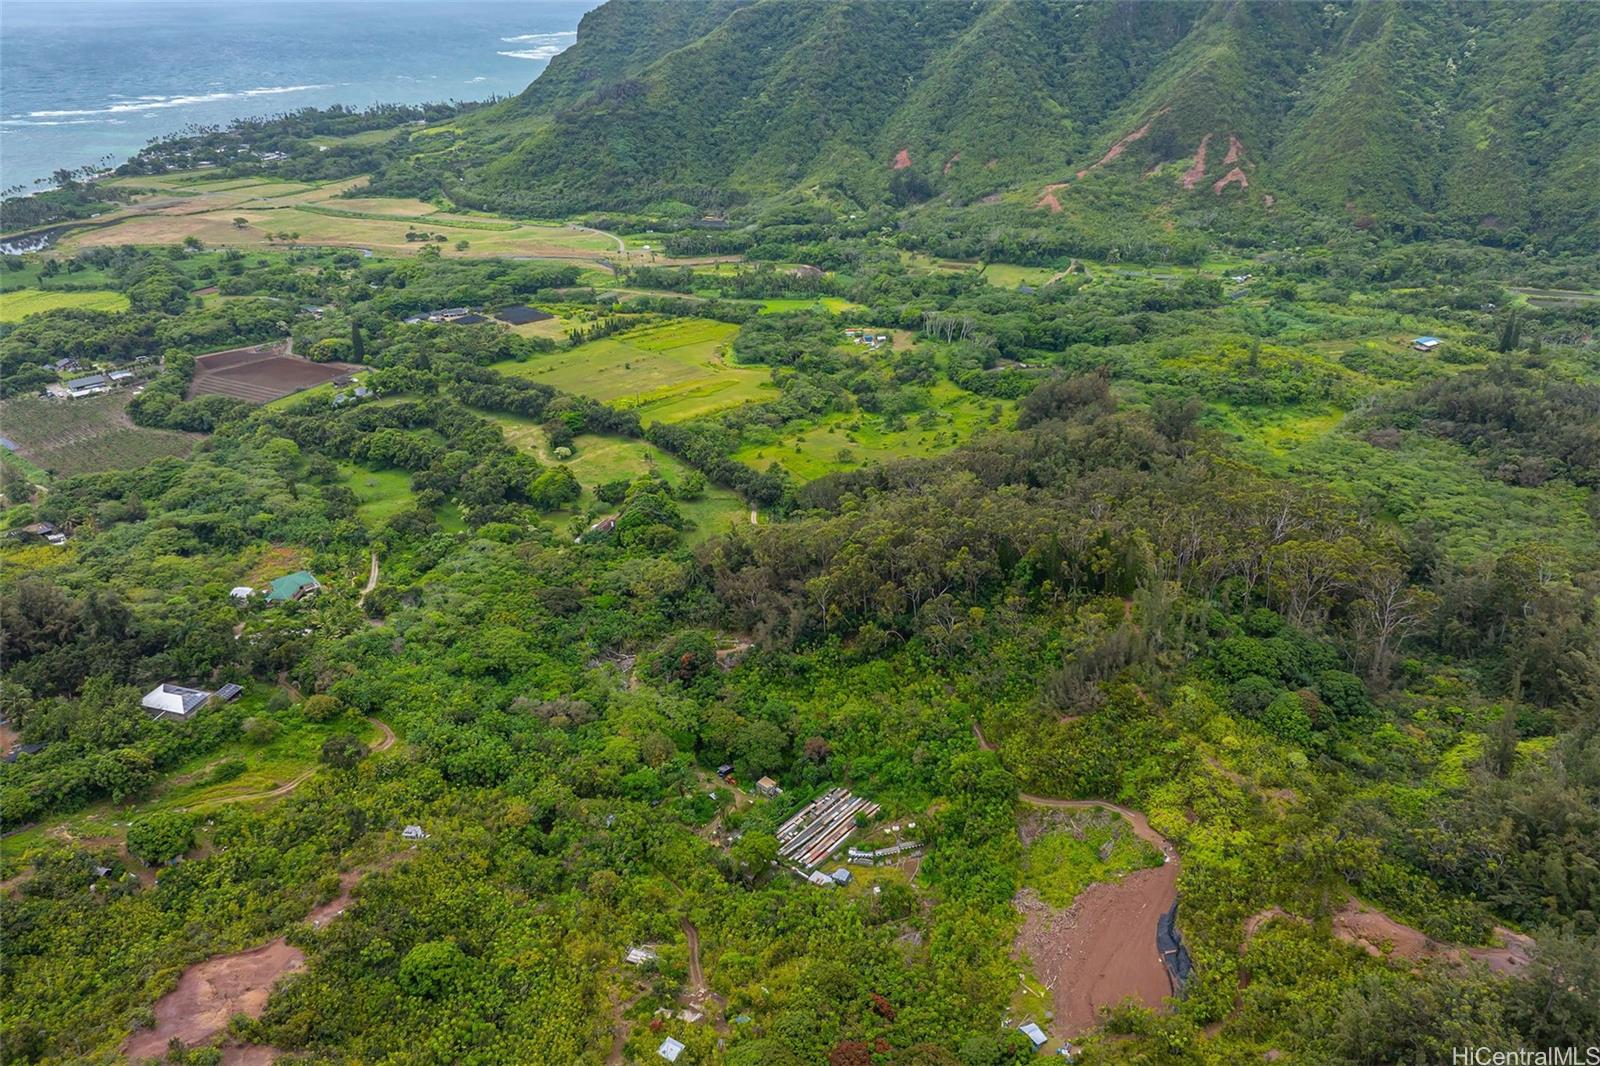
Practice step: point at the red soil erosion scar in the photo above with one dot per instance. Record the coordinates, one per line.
(261, 373)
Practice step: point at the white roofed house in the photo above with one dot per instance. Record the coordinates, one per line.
(167, 700)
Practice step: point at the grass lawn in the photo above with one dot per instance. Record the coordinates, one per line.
(382, 493)
(855, 439)
(18, 304)
(67, 437)
(668, 372)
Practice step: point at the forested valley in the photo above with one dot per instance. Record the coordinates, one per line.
(561, 586)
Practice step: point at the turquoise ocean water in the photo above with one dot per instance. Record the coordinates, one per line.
(81, 80)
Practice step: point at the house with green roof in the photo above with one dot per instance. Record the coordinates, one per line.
(295, 586)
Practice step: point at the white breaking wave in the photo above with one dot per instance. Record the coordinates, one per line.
(541, 38)
(547, 52)
(153, 103)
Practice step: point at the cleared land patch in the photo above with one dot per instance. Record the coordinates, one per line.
(66, 437)
(20, 303)
(850, 440)
(381, 494)
(261, 373)
(599, 459)
(668, 371)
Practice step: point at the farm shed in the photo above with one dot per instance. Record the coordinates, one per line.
(229, 692)
(817, 830)
(670, 1049)
(413, 832)
(295, 586)
(1034, 1034)
(1426, 344)
(174, 701)
(768, 787)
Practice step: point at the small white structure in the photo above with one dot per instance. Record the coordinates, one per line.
(820, 879)
(174, 701)
(413, 832)
(841, 876)
(640, 956)
(242, 592)
(768, 787)
(670, 1049)
(1034, 1034)
(690, 1015)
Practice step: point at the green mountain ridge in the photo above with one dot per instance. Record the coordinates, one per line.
(1465, 118)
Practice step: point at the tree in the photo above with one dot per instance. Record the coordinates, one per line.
(158, 837)
(1511, 332)
(752, 854)
(342, 751)
(320, 708)
(240, 222)
(358, 343)
(433, 968)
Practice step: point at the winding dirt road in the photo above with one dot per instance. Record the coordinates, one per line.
(372, 580)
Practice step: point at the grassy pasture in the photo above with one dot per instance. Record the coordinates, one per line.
(67, 437)
(382, 493)
(821, 448)
(207, 207)
(18, 304)
(598, 459)
(668, 372)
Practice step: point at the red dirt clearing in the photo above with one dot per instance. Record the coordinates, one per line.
(1234, 175)
(902, 159)
(1048, 197)
(1356, 923)
(1380, 935)
(1235, 151)
(1197, 173)
(1101, 949)
(1121, 146)
(260, 374)
(211, 992)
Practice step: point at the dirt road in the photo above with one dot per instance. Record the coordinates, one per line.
(697, 976)
(372, 580)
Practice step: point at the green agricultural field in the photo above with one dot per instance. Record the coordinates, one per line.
(66, 437)
(668, 372)
(851, 440)
(598, 459)
(382, 493)
(834, 305)
(320, 215)
(18, 304)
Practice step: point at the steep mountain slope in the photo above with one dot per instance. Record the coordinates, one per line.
(1475, 117)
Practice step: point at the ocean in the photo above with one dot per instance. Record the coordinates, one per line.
(84, 80)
